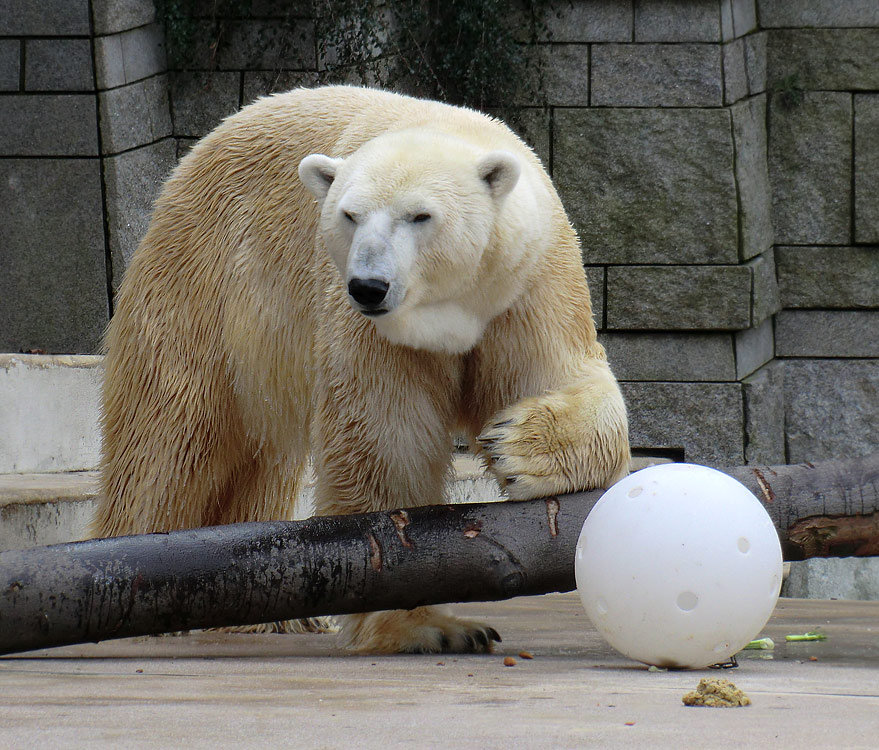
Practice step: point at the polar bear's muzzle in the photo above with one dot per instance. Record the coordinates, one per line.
(369, 294)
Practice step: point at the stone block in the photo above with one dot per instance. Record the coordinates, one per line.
(595, 21)
(672, 357)
(48, 125)
(744, 16)
(10, 64)
(657, 75)
(44, 18)
(130, 56)
(818, 13)
(53, 289)
(199, 101)
(133, 181)
(735, 74)
(752, 177)
(135, 115)
(824, 59)
(852, 578)
(831, 409)
(268, 45)
(49, 407)
(829, 277)
(763, 394)
(566, 75)
(595, 278)
(113, 16)
(810, 167)
(677, 21)
(765, 299)
(755, 61)
(867, 168)
(703, 419)
(678, 297)
(727, 26)
(827, 333)
(58, 65)
(754, 347)
(621, 172)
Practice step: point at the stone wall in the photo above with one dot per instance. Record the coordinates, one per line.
(719, 159)
(822, 68)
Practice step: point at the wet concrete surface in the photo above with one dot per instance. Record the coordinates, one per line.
(218, 690)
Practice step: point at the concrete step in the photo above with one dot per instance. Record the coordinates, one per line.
(39, 509)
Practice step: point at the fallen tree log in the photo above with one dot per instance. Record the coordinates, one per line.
(260, 572)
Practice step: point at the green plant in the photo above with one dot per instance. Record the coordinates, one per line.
(789, 91)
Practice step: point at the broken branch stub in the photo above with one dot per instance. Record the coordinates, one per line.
(825, 509)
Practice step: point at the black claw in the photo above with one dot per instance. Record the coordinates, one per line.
(494, 635)
(482, 637)
(504, 423)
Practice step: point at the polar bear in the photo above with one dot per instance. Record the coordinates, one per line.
(354, 276)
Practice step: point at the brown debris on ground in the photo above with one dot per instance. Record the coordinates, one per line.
(716, 692)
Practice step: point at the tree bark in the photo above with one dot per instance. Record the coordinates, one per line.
(261, 572)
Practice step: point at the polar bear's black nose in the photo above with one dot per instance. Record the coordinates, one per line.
(368, 292)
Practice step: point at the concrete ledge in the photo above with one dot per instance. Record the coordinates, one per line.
(834, 578)
(49, 406)
(39, 509)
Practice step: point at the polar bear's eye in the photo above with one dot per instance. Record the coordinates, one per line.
(420, 218)
(349, 216)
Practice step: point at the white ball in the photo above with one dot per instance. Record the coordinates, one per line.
(678, 566)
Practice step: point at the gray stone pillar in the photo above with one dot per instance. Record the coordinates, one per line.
(135, 121)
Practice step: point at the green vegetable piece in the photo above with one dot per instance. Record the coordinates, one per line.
(811, 636)
(761, 644)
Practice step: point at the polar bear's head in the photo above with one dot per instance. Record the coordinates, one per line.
(410, 220)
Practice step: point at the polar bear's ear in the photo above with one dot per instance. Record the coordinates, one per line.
(500, 170)
(317, 173)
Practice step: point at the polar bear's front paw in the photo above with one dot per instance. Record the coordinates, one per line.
(556, 443)
(425, 630)
(515, 451)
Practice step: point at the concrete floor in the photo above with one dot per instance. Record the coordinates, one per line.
(217, 690)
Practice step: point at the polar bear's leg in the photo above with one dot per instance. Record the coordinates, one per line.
(264, 491)
(572, 438)
(381, 442)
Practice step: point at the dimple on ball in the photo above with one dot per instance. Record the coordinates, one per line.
(678, 566)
